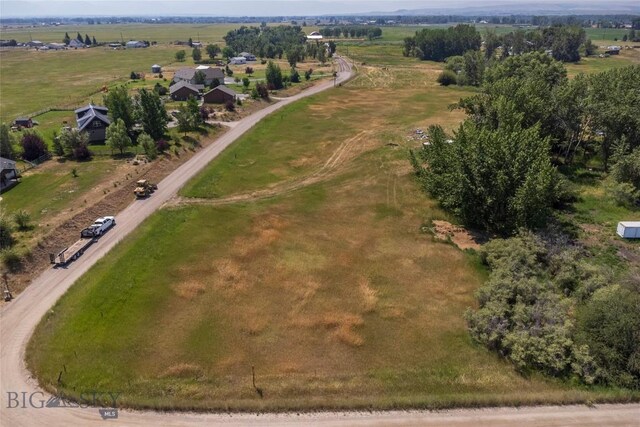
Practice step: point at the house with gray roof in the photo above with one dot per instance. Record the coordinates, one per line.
(93, 119)
(75, 43)
(189, 75)
(182, 90)
(219, 95)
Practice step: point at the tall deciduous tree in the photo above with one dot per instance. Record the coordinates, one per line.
(152, 113)
(213, 50)
(120, 106)
(117, 137)
(498, 180)
(6, 142)
(180, 55)
(196, 54)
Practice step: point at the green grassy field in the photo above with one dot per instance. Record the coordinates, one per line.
(327, 286)
(67, 78)
(161, 33)
(46, 191)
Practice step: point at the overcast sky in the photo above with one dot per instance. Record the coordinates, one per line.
(13, 8)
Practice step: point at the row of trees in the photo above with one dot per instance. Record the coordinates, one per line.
(265, 42)
(86, 40)
(439, 43)
(528, 107)
(145, 108)
(353, 31)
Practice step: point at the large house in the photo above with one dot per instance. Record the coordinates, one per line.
(93, 120)
(189, 75)
(182, 90)
(219, 95)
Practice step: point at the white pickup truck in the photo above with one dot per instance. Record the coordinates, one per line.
(100, 225)
(87, 237)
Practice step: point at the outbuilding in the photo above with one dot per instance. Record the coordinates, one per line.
(155, 68)
(219, 95)
(629, 229)
(238, 60)
(23, 122)
(9, 173)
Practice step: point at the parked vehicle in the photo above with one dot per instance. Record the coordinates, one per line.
(88, 236)
(144, 189)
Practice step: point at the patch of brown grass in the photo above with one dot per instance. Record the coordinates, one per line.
(182, 370)
(189, 289)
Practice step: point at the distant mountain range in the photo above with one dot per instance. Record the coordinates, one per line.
(308, 8)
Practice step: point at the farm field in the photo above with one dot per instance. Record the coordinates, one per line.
(303, 252)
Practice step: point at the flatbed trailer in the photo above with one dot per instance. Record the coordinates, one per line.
(72, 252)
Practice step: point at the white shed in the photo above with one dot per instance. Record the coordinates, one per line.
(629, 229)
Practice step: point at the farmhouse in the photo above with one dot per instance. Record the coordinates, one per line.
(74, 44)
(93, 120)
(9, 174)
(238, 60)
(248, 56)
(219, 95)
(134, 44)
(23, 122)
(189, 75)
(181, 91)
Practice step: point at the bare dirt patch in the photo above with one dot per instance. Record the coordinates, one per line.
(460, 236)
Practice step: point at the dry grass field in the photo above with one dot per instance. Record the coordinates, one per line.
(299, 252)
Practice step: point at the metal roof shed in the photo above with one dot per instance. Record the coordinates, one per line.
(629, 229)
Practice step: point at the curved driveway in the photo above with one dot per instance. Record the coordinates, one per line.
(19, 318)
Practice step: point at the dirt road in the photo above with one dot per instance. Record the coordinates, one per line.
(22, 401)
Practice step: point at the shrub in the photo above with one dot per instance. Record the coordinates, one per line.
(162, 145)
(447, 77)
(148, 145)
(229, 105)
(11, 259)
(82, 152)
(295, 76)
(204, 113)
(609, 324)
(261, 91)
(248, 70)
(160, 90)
(624, 193)
(33, 146)
(6, 236)
(22, 219)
